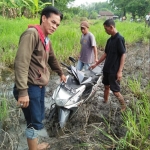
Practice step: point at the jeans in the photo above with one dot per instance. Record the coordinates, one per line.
(34, 113)
(81, 65)
(31, 133)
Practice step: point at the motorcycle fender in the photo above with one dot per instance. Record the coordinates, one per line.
(63, 115)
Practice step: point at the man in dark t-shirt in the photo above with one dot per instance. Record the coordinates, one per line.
(114, 57)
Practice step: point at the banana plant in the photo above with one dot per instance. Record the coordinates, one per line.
(35, 6)
(3, 6)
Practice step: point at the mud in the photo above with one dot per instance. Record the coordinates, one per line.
(91, 121)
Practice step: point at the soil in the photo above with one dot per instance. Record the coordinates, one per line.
(91, 121)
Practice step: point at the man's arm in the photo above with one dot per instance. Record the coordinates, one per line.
(95, 53)
(53, 63)
(103, 57)
(122, 61)
(21, 64)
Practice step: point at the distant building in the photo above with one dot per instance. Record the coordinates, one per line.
(106, 15)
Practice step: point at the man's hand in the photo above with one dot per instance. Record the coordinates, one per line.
(96, 60)
(119, 75)
(92, 66)
(23, 102)
(63, 78)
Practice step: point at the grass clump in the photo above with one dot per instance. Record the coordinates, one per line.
(137, 119)
(3, 109)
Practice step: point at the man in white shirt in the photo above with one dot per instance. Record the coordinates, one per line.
(147, 20)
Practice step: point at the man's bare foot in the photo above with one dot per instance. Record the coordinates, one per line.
(105, 101)
(123, 108)
(43, 146)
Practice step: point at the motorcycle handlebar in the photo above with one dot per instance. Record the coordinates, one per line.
(72, 59)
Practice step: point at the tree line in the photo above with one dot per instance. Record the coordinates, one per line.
(31, 8)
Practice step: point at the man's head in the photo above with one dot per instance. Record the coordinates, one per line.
(84, 25)
(50, 19)
(109, 26)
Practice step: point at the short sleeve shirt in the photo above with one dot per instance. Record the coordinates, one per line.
(87, 53)
(147, 17)
(115, 48)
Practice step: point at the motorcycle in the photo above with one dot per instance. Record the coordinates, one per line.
(78, 89)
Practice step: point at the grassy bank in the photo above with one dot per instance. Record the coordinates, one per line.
(66, 40)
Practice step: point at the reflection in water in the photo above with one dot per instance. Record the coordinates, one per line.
(6, 82)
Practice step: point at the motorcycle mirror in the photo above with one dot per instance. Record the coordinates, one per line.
(68, 67)
(72, 59)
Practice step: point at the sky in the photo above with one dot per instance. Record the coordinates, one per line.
(79, 2)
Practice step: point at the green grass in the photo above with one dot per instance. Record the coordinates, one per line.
(3, 109)
(136, 121)
(66, 40)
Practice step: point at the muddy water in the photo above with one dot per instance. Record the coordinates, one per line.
(77, 128)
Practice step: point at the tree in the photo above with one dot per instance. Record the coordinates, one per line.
(91, 11)
(17, 7)
(119, 5)
(35, 6)
(136, 7)
(60, 4)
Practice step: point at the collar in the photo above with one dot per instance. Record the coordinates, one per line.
(113, 37)
(44, 40)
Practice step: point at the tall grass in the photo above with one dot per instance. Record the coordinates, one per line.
(10, 32)
(3, 109)
(136, 121)
(66, 40)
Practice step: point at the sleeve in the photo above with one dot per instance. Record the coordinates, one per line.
(22, 61)
(92, 39)
(106, 47)
(53, 63)
(121, 46)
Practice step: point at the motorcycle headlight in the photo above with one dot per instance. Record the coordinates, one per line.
(60, 102)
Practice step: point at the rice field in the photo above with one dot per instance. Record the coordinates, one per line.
(66, 40)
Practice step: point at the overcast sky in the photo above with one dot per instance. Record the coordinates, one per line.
(79, 2)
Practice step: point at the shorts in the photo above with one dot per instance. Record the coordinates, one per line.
(111, 79)
(35, 112)
(31, 133)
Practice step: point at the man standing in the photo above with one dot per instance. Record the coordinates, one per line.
(114, 57)
(88, 53)
(147, 20)
(31, 72)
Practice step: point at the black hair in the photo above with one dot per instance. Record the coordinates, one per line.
(47, 11)
(109, 22)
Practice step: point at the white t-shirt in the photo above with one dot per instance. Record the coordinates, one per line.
(147, 17)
